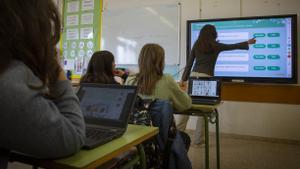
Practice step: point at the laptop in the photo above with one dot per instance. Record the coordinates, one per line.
(205, 90)
(106, 110)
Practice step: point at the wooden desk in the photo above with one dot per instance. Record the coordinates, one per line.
(88, 159)
(210, 114)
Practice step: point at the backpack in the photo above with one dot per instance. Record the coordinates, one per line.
(157, 155)
(141, 116)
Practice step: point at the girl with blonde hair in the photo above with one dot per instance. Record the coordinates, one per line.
(153, 83)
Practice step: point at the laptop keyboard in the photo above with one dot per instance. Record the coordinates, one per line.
(204, 101)
(95, 134)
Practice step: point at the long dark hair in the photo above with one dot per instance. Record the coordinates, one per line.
(151, 66)
(100, 69)
(206, 41)
(29, 31)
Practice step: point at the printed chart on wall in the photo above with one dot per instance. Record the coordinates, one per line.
(81, 33)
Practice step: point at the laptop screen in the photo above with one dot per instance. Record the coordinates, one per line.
(106, 102)
(204, 87)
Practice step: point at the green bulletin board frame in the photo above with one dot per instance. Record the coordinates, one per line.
(81, 33)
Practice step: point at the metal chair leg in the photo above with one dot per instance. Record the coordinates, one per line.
(217, 139)
(206, 143)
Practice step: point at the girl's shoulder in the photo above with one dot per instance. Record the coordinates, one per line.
(168, 77)
(131, 79)
(17, 78)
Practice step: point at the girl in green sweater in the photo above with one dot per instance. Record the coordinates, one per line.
(151, 81)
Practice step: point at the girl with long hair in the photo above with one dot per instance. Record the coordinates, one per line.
(153, 83)
(202, 60)
(40, 114)
(100, 69)
(206, 51)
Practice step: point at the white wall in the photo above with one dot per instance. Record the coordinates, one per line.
(255, 119)
(259, 119)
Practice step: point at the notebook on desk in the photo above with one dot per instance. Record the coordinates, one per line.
(106, 109)
(205, 90)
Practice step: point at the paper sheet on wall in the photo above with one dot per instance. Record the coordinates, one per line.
(72, 20)
(69, 64)
(73, 6)
(87, 5)
(72, 34)
(86, 33)
(87, 19)
(79, 63)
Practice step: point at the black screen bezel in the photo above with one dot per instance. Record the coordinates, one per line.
(219, 86)
(292, 80)
(124, 117)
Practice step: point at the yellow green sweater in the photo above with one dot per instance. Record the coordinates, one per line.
(166, 88)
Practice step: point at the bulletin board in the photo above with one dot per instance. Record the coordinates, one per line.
(81, 33)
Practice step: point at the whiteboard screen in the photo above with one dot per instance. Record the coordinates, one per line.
(125, 31)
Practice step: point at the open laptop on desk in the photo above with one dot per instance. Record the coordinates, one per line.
(205, 90)
(106, 109)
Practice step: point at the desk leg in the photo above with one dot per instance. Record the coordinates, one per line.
(142, 156)
(217, 139)
(206, 143)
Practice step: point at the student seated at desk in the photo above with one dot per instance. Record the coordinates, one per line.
(40, 114)
(101, 69)
(151, 81)
(153, 84)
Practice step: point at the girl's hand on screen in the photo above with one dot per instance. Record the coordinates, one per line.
(252, 41)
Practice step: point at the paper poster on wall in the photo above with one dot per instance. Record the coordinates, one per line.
(90, 45)
(86, 33)
(81, 53)
(72, 20)
(73, 6)
(79, 65)
(65, 46)
(87, 19)
(69, 64)
(73, 53)
(89, 53)
(72, 34)
(81, 45)
(74, 45)
(65, 54)
(87, 5)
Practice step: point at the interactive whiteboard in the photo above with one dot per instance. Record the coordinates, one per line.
(271, 59)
